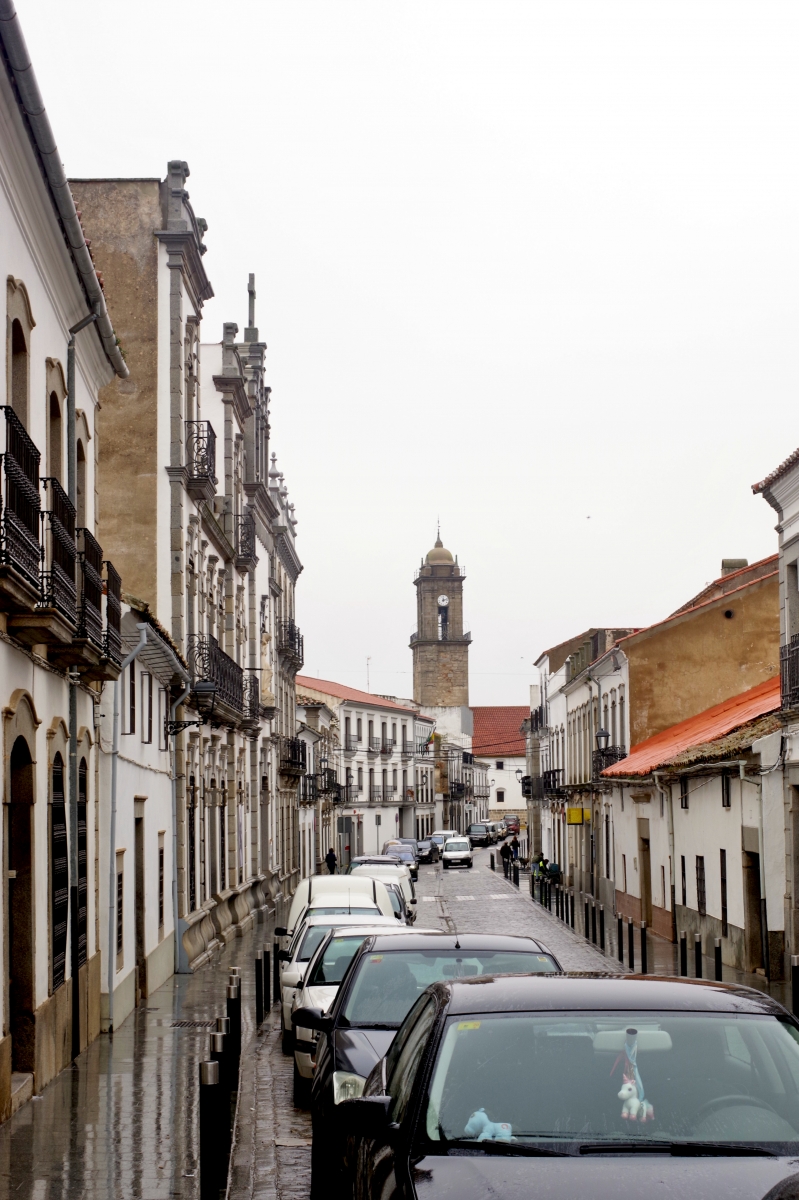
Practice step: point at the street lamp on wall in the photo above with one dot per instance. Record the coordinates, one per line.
(203, 696)
(602, 739)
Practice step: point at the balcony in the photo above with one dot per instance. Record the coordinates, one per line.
(789, 673)
(538, 719)
(20, 525)
(251, 715)
(457, 789)
(407, 750)
(293, 757)
(54, 620)
(112, 646)
(373, 745)
(200, 460)
(350, 744)
(544, 786)
(88, 649)
(606, 758)
(382, 795)
(327, 781)
(245, 540)
(309, 790)
(387, 746)
(291, 644)
(208, 661)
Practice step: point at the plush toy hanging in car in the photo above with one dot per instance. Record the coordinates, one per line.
(480, 1127)
(635, 1106)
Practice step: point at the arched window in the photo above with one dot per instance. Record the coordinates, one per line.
(19, 372)
(55, 439)
(59, 874)
(83, 875)
(81, 487)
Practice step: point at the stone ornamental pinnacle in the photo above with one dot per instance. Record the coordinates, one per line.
(440, 647)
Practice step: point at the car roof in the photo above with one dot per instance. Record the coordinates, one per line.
(419, 939)
(596, 992)
(334, 919)
(366, 859)
(395, 930)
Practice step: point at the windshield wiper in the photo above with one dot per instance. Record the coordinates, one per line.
(680, 1149)
(372, 1025)
(525, 1149)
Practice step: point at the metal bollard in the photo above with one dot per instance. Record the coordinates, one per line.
(572, 909)
(587, 926)
(532, 886)
(275, 972)
(259, 987)
(644, 963)
(602, 928)
(795, 983)
(234, 1016)
(717, 947)
(549, 896)
(218, 1054)
(492, 861)
(222, 1025)
(593, 921)
(631, 945)
(620, 936)
(211, 1161)
(516, 874)
(683, 954)
(698, 955)
(267, 981)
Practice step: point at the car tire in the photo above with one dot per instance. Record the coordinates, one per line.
(445, 866)
(301, 1094)
(470, 865)
(287, 1041)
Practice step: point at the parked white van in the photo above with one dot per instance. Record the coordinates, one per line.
(334, 894)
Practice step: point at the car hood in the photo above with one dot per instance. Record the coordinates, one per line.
(358, 1050)
(605, 1177)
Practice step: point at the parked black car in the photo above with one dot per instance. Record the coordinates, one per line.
(429, 851)
(608, 1087)
(481, 834)
(384, 980)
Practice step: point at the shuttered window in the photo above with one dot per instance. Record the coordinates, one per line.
(59, 875)
(82, 862)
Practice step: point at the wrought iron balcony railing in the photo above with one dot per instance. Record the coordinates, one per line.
(350, 744)
(291, 643)
(252, 697)
(407, 750)
(90, 567)
(60, 552)
(20, 531)
(606, 758)
(327, 780)
(373, 745)
(201, 454)
(309, 789)
(208, 661)
(113, 614)
(293, 756)
(789, 673)
(457, 788)
(387, 745)
(380, 794)
(245, 539)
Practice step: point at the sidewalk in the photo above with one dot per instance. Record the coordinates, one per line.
(122, 1121)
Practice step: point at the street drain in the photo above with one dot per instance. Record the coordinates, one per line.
(193, 1025)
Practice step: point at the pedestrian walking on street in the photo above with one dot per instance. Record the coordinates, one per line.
(514, 845)
(506, 854)
(330, 859)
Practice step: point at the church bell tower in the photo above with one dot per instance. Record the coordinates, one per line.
(440, 647)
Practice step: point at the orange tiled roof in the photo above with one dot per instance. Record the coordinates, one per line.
(342, 692)
(713, 723)
(496, 730)
(782, 469)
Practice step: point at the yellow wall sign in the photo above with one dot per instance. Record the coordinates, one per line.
(578, 816)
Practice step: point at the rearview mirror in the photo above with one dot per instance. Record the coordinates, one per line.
(365, 1116)
(312, 1018)
(280, 931)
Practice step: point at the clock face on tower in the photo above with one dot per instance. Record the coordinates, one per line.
(443, 601)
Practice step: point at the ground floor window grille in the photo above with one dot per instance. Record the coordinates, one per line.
(723, 864)
(59, 874)
(700, 884)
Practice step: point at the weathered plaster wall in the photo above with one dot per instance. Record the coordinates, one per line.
(681, 668)
(120, 217)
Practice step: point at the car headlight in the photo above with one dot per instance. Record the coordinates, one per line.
(347, 1086)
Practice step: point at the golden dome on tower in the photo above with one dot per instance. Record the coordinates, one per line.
(439, 555)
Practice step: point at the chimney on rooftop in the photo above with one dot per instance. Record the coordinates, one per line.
(728, 565)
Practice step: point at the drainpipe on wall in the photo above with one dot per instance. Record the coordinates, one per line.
(179, 966)
(112, 861)
(666, 794)
(74, 679)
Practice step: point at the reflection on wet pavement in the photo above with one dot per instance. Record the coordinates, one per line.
(123, 1120)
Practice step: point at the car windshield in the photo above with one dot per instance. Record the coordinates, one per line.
(456, 846)
(424, 845)
(605, 1077)
(335, 959)
(388, 983)
(478, 829)
(314, 936)
(332, 910)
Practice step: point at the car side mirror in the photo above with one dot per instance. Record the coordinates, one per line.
(365, 1116)
(413, 900)
(312, 1018)
(280, 931)
(284, 955)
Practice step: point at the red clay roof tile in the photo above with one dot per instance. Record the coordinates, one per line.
(496, 730)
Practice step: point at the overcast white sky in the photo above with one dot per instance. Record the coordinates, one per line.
(527, 267)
